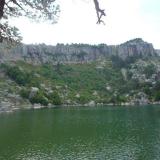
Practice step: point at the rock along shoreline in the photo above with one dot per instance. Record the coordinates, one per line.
(10, 108)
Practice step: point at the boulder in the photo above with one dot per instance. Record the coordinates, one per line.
(33, 92)
(91, 103)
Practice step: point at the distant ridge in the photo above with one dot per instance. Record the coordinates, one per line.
(77, 53)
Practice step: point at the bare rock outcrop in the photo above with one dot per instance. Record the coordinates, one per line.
(76, 53)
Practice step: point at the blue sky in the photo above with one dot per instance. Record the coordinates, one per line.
(126, 19)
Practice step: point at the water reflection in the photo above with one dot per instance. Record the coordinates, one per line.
(83, 133)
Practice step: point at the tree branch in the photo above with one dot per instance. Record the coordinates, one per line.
(16, 3)
(2, 3)
(100, 12)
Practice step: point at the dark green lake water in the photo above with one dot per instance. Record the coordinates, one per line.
(112, 133)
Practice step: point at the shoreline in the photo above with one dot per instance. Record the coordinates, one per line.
(13, 108)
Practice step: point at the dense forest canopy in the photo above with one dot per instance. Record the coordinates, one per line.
(34, 9)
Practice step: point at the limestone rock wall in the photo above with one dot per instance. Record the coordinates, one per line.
(75, 53)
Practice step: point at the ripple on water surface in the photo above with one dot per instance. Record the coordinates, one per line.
(116, 133)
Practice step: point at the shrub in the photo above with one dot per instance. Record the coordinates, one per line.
(18, 75)
(84, 98)
(149, 70)
(55, 98)
(157, 96)
(39, 98)
(24, 93)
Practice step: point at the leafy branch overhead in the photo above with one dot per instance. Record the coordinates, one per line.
(44, 9)
(38, 10)
(34, 9)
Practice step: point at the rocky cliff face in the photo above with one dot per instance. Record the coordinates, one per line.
(76, 53)
(158, 52)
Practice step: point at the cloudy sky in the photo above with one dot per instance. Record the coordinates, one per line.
(125, 20)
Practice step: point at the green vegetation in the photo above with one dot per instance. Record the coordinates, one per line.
(54, 98)
(39, 98)
(108, 81)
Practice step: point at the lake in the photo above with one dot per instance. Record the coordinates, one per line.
(111, 133)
